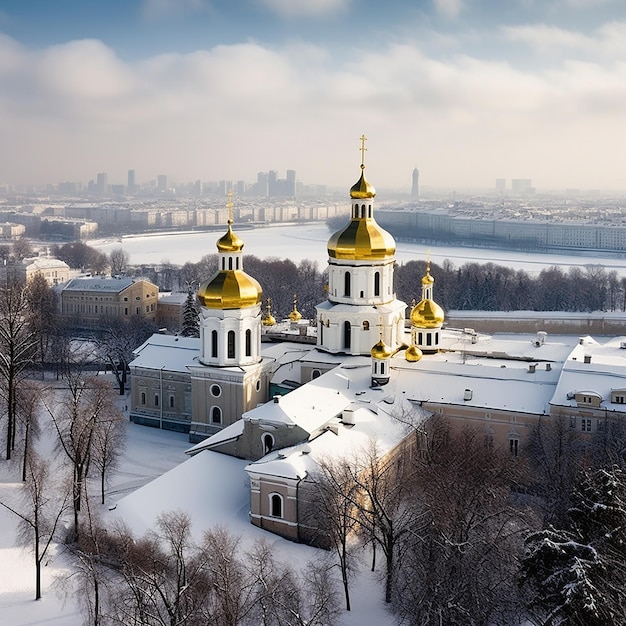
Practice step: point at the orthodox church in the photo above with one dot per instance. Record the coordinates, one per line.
(372, 368)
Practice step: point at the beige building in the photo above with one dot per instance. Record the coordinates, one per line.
(53, 270)
(90, 299)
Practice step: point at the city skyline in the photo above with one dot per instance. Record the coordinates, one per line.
(467, 90)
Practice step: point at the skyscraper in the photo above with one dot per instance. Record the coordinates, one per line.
(102, 184)
(131, 182)
(415, 188)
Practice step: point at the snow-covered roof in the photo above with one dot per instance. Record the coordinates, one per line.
(604, 371)
(98, 283)
(170, 352)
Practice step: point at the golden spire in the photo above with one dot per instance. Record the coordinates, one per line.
(295, 315)
(269, 319)
(230, 242)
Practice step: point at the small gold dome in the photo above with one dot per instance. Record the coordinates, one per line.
(269, 320)
(230, 289)
(361, 239)
(295, 315)
(427, 279)
(381, 350)
(362, 188)
(427, 314)
(413, 353)
(229, 242)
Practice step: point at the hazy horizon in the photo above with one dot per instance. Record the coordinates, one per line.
(467, 91)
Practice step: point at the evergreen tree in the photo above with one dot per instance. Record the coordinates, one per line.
(577, 575)
(191, 324)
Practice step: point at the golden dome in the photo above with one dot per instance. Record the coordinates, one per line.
(361, 239)
(427, 314)
(295, 315)
(362, 188)
(229, 242)
(381, 350)
(413, 353)
(230, 289)
(427, 278)
(269, 320)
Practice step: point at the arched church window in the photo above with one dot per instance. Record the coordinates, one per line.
(214, 344)
(276, 505)
(315, 374)
(230, 343)
(230, 263)
(346, 284)
(376, 283)
(347, 335)
(248, 342)
(363, 210)
(366, 325)
(268, 443)
(216, 415)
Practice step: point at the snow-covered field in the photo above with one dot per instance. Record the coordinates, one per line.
(150, 454)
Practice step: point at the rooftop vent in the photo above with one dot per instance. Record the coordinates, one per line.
(531, 368)
(276, 399)
(622, 345)
(348, 417)
(587, 358)
(548, 367)
(468, 394)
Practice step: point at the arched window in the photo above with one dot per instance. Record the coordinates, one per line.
(268, 443)
(276, 505)
(214, 344)
(230, 340)
(376, 283)
(230, 263)
(156, 399)
(362, 210)
(420, 338)
(347, 335)
(382, 368)
(237, 263)
(429, 339)
(366, 325)
(224, 263)
(143, 397)
(248, 342)
(346, 284)
(216, 415)
(315, 374)
(171, 402)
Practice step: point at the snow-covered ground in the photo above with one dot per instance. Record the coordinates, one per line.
(137, 497)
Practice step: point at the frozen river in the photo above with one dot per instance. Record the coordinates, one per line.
(308, 241)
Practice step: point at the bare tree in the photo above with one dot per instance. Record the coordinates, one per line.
(108, 444)
(40, 513)
(331, 514)
(43, 317)
(118, 261)
(17, 347)
(86, 407)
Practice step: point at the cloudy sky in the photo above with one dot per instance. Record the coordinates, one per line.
(466, 90)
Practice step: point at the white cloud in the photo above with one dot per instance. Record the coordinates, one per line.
(449, 8)
(67, 112)
(306, 8)
(160, 9)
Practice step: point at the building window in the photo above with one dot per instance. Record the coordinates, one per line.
(230, 263)
(143, 398)
(230, 342)
(347, 335)
(276, 505)
(214, 344)
(377, 283)
(268, 443)
(156, 399)
(216, 415)
(171, 402)
(572, 422)
(216, 391)
(429, 339)
(366, 325)
(315, 374)
(248, 342)
(346, 284)
(514, 446)
(585, 424)
(258, 385)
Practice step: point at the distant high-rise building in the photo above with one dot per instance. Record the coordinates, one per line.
(102, 184)
(272, 177)
(162, 182)
(522, 185)
(262, 183)
(241, 187)
(131, 188)
(415, 188)
(291, 183)
(500, 184)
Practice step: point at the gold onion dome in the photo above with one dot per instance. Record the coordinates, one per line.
(269, 319)
(229, 242)
(362, 188)
(381, 350)
(427, 314)
(362, 238)
(413, 353)
(230, 289)
(295, 315)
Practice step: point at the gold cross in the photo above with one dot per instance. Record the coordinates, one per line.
(229, 206)
(363, 149)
